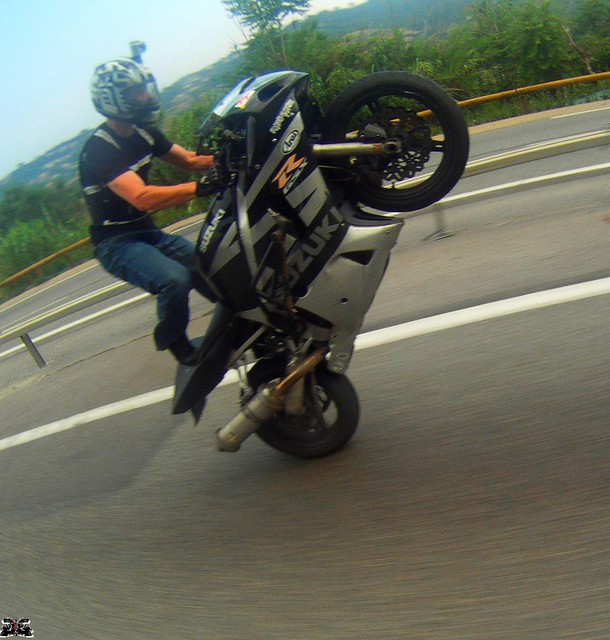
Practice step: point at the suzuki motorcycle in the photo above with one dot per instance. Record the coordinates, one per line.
(297, 240)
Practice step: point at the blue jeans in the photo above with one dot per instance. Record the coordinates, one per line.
(161, 264)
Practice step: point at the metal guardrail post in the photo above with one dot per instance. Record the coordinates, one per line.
(511, 158)
(31, 347)
(22, 331)
(441, 225)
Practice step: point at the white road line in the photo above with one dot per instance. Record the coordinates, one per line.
(380, 337)
(508, 186)
(48, 286)
(487, 311)
(579, 113)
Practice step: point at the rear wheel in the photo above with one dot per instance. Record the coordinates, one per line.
(330, 415)
(417, 113)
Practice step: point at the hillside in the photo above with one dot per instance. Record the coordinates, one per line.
(423, 17)
(415, 15)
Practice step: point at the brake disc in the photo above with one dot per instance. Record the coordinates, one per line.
(416, 143)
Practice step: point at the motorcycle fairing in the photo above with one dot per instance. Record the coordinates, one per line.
(220, 254)
(264, 99)
(193, 384)
(237, 233)
(253, 95)
(343, 291)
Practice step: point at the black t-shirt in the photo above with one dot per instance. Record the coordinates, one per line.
(105, 156)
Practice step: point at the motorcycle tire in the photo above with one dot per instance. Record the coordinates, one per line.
(334, 429)
(418, 113)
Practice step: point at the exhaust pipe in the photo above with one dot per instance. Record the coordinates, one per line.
(258, 410)
(269, 400)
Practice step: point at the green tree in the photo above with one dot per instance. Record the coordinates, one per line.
(593, 18)
(28, 242)
(264, 19)
(19, 203)
(302, 45)
(510, 43)
(262, 16)
(58, 203)
(359, 54)
(538, 46)
(591, 33)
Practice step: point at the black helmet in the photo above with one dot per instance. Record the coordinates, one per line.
(125, 90)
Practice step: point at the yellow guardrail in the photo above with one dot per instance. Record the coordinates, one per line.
(41, 263)
(555, 84)
(463, 103)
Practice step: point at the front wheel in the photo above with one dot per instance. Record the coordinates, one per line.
(413, 111)
(329, 419)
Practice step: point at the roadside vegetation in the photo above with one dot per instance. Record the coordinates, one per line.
(499, 45)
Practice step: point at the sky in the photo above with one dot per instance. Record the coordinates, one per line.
(49, 48)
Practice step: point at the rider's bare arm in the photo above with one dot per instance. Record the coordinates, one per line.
(187, 160)
(148, 197)
(143, 197)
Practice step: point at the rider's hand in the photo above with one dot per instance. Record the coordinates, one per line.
(208, 183)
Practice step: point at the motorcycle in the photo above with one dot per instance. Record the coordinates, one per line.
(297, 240)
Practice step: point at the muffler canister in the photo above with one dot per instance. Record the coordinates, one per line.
(256, 412)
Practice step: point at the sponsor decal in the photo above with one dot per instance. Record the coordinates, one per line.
(291, 141)
(282, 115)
(290, 171)
(243, 101)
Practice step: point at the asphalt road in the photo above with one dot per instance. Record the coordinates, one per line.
(472, 503)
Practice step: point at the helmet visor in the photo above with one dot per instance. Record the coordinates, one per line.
(143, 101)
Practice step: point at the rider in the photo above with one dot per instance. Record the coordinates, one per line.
(114, 166)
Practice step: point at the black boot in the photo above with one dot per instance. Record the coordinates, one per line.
(184, 351)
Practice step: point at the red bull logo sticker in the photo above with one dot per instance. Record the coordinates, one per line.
(243, 101)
